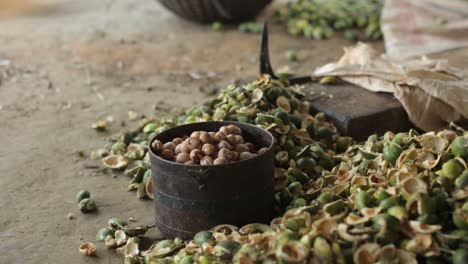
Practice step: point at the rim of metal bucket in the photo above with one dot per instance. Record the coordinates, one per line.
(271, 137)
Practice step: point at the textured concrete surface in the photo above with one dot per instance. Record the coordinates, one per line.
(73, 62)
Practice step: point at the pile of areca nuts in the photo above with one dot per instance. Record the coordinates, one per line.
(208, 148)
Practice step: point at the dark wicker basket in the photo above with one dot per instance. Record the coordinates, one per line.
(207, 11)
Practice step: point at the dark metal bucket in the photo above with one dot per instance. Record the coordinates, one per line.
(208, 11)
(191, 198)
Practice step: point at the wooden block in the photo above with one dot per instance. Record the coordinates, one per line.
(357, 112)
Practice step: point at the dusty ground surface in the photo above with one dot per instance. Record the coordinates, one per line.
(80, 61)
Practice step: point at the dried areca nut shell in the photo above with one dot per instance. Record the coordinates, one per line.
(324, 227)
(460, 194)
(429, 162)
(292, 252)
(421, 203)
(131, 250)
(110, 242)
(338, 189)
(406, 257)
(157, 146)
(361, 230)
(323, 250)
(163, 249)
(366, 253)
(226, 248)
(283, 103)
(257, 95)
(370, 212)
(207, 249)
(104, 232)
(254, 228)
(225, 229)
(412, 185)
(116, 223)
(191, 248)
(133, 186)
(432, 142)
(359, 181)
(88, 249)
(354, 219)
(118, 148)
(120, 238)
(342, 231)
(149, 188)
(141, 191)
(115, 162)
(399, 212)
(335, 207)
(419, 244)
(447, 134)
(135, 239)
(218, 236)
(376, 181)
(247, 254)
(420, 227)
(134, 230)
(387, 254)
(406, 156)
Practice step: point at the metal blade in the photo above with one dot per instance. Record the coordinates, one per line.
(265, 66)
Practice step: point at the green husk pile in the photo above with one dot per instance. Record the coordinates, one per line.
(319, 19)
(396, 198)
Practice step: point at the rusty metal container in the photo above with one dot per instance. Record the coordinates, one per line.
(190, 198)
(207, 11)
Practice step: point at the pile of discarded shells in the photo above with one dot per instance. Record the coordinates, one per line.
(399, 198)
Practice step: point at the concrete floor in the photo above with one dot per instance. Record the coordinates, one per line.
(79, 61)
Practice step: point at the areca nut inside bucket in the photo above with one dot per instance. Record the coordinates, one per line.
(189, 198)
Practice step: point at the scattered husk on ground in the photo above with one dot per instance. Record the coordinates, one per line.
(398, 198)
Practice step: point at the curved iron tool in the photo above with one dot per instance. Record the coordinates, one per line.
(265, 65)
